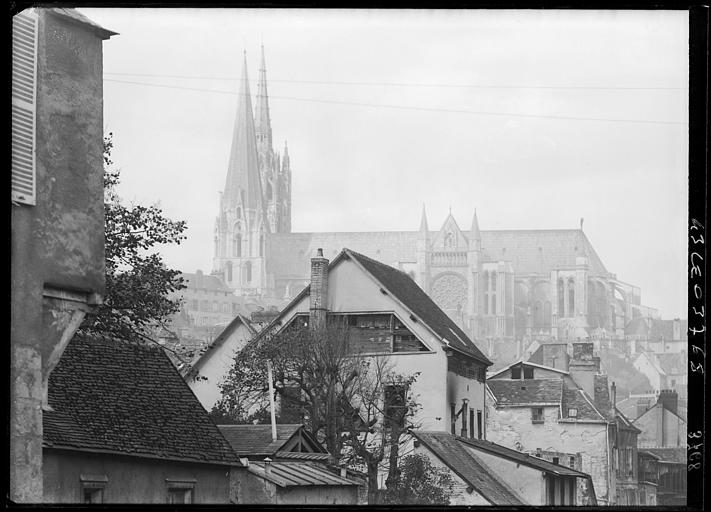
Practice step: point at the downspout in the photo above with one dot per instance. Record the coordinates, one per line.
(610, 469)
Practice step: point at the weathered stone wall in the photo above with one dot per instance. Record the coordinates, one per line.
(512, 427)
(57, 245)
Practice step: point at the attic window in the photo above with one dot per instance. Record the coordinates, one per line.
(572, 413)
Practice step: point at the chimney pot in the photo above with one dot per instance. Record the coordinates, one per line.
(319, 253)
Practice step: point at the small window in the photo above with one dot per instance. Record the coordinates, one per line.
(516, 372)
(571, 462)
(555, 460)
(92, 488)
(180, 491)
(572, 413)
(528, 372)
(537, 415)
(395, 405)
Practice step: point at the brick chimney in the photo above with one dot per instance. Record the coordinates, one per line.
(669, 399)
(601, 394)
(318, 292)
(584, 366)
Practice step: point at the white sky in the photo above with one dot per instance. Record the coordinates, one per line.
(370, 168)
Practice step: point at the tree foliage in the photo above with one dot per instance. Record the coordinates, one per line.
(358, 406)
(138, 284)
(420, 483)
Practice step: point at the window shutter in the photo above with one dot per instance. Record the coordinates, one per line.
(24, 92)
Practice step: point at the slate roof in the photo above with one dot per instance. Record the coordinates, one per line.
(526, 391)
(422, 306)
(219, 340)
(468, 467)
(530, 251)
(291, 474)
(522, 458)
(257, 439)
(118, 397)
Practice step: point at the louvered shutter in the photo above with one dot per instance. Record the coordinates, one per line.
(24, 92)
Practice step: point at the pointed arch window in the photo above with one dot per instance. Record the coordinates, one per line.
(261, 242)
(486, 292)
(269, 191)
(537, 314)
(229, 271)
(237, 241)
(561, 298)
(571, 297)
(247, 274)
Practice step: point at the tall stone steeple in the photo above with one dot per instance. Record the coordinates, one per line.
(241, 226)
(262, 121)
(475, 233)
(243, 187)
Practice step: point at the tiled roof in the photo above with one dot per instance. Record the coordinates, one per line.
(530, 251)
(201, 358)
(522, 458)
(422, 306)
(291, 474)
(257, 439)
(468, 467)
(574, 398)
(120, 397)
(526, 391)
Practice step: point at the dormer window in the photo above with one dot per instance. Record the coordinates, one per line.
(572, 413)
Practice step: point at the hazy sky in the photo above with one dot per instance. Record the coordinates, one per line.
(526, 116)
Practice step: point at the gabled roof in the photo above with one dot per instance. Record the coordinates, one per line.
(422, 306)
(526, 392)
(292, 474)
(522, 458)
(575, 398)
(468, 467)
(112, 396)
(200, 360)
(658, 409)
(256, 440)
(405, 290)
(629, 425)
(526, 363)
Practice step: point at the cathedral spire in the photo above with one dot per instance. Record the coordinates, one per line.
(475, 233)
(262, 121)
(243, 187)
(423, 220)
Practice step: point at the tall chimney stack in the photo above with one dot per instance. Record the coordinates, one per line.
(318, 292)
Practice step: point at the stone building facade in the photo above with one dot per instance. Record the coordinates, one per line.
(57, 244)
(505, 288)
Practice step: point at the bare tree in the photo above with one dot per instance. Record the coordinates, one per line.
(357, 405)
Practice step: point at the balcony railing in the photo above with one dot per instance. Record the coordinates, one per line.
(448, 259)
